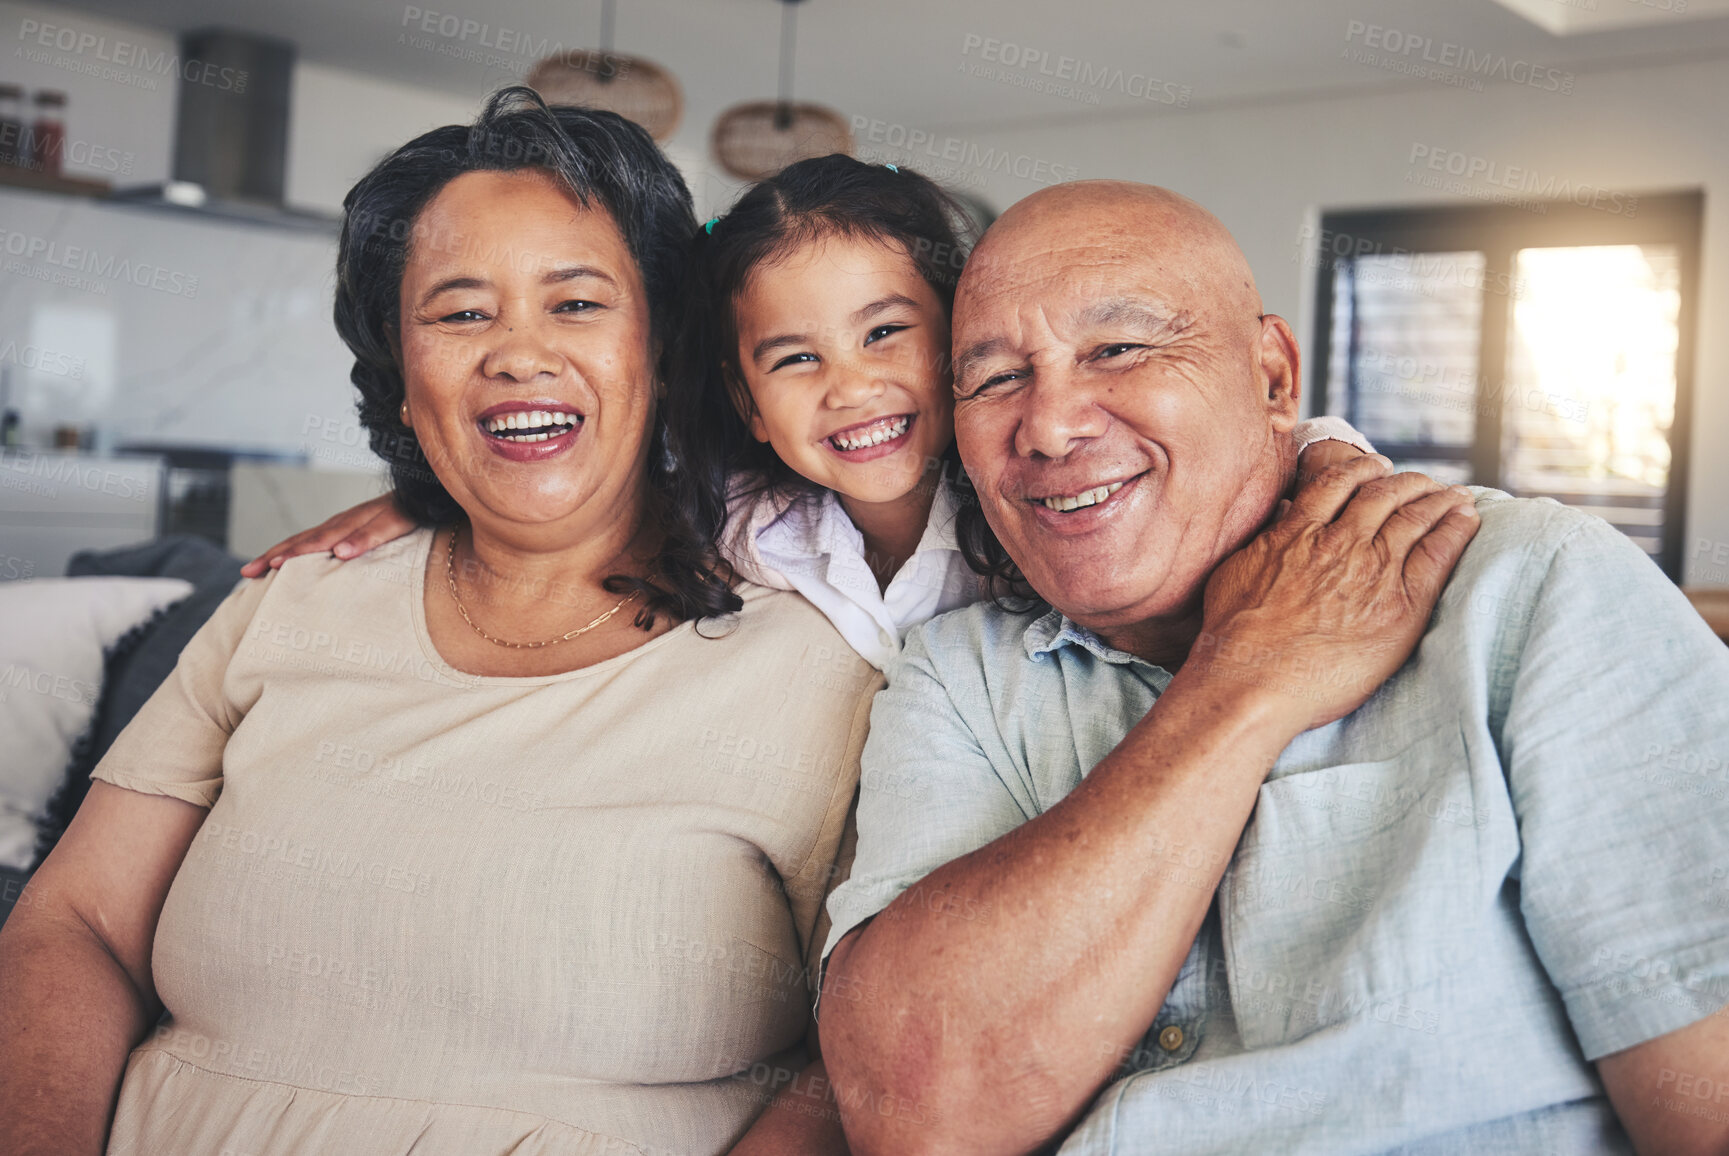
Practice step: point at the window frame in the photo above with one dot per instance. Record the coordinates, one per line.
(1499, 232)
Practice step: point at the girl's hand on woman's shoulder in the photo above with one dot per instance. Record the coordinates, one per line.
(346, 535)
(1318, 456)
(1326, 603)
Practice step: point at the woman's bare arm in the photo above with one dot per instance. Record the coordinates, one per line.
(76, 993)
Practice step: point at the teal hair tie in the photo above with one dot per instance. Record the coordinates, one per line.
(709, 228)
(892, 168)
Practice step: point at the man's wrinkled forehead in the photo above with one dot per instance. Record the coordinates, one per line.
(1094, 251)
(1084, 283)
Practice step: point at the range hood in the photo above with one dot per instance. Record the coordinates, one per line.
(231, 133)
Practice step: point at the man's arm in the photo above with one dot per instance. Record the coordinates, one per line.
(1672, 1093)
(1616, 751)
(75, 969)
(1000, 1027)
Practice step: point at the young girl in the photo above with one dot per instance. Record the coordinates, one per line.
(817, 390)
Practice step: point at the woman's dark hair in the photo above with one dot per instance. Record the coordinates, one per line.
(600, 158)
(831, 196)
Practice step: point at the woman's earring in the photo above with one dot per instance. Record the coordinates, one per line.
(403, 413)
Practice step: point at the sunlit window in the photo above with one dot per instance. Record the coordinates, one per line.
(1590, 393)
(1539, 353)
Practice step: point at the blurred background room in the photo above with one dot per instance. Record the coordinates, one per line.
(1500, 227)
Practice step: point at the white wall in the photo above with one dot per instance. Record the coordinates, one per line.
(1268, 169)
(342, 123)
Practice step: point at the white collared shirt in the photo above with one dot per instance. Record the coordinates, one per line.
(806, 542)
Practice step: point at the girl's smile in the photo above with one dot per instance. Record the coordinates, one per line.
(869, 440)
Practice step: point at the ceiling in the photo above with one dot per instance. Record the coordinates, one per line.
(1571, 17)
(906, 62)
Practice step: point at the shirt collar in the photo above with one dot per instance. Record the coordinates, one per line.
(1053, 631)
(809, 525)
(814, 525)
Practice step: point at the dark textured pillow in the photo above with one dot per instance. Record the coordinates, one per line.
(141, 660)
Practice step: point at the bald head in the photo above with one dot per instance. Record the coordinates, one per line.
(1122, 405)
(1143, 220)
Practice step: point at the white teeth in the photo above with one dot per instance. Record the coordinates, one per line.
(540, 420)
(1085, 498)
(872, 435)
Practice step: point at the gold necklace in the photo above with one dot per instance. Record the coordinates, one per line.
(450, 578)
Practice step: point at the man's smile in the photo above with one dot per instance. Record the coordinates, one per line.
(1082, 498)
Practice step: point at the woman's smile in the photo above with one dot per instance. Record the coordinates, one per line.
(530, 431)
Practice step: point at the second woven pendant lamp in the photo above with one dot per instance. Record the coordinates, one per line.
(759, 138)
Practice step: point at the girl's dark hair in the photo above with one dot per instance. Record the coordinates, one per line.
(831, 196)
(985, 556)
(600, 158)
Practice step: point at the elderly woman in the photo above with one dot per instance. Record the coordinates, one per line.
(478, 844)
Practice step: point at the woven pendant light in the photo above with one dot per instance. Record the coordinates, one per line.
(758, 139)
(637, 89)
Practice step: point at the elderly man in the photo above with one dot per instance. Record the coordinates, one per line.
(1169, 878)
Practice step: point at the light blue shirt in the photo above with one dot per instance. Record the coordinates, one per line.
(1508, 863)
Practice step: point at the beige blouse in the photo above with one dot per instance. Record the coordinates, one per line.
(439, 913)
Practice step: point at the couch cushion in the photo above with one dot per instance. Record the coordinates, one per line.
(140, 662)
(54, 634)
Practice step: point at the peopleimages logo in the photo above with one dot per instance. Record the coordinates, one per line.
(42, 360)
(122, 54)
(45, 474)
(1408, 269)
(1518, 179)
(47, 150)
(918, 143)
(1392, 46)
(83, 260)
(1066, 76)
(465, 38)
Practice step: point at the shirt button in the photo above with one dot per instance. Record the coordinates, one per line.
(885, 638)
(1171, 1038)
